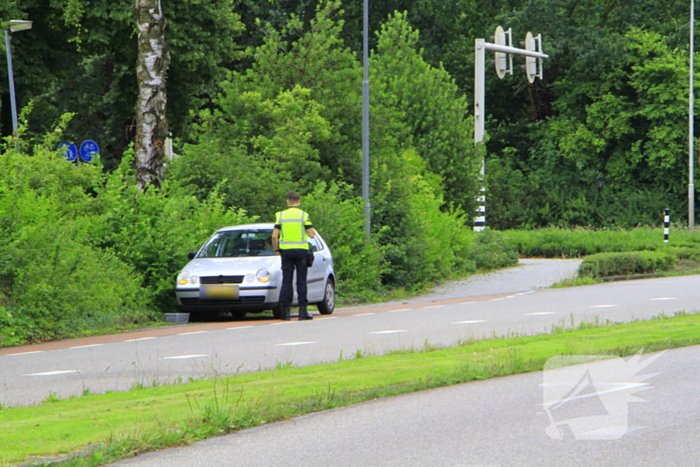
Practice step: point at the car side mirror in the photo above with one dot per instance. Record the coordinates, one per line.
(191, 254)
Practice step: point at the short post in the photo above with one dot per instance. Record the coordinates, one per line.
(667, 224)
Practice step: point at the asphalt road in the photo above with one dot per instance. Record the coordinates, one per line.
(499, 422)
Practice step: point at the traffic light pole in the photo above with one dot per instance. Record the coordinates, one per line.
(481, 46)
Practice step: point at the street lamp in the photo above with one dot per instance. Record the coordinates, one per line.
(13, 26)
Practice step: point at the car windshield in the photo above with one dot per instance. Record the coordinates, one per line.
(237, 243)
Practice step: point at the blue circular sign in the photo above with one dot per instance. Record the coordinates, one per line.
(70, 151)
(88, 150)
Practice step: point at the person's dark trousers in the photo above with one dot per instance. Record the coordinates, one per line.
(294, 259)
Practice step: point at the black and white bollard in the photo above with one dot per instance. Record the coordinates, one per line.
(667, 224)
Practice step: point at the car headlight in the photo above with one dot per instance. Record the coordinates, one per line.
(263, 275)
(183, 278)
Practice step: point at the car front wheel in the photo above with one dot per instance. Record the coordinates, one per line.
(327, 306)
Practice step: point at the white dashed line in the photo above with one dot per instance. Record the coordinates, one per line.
(295, 343)
(364, 314)
(86, 346)
(397, 311)
(434, 306)
(389, 331)
(665, 298)
(603, 306)
(190, 333)
(24, 353)
(184, 357)
(54, 373)
(470, 321)
(240, 327)
(541, 313)
(140, 339)
(496, 299)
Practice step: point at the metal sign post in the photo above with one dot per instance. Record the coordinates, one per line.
(533, 69)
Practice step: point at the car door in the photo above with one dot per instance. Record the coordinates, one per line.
(315, 278)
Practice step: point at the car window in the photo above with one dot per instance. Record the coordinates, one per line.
(238, 243)
(315, 244)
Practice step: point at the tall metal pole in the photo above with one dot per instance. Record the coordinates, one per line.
(365, 120)
(691, 105)
(479, 118)
(10, 75)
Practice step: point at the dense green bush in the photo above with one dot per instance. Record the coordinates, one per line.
(623, 264)
(575, 243)
(54, 280)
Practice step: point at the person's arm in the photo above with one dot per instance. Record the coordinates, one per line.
(311, 232)
(275, 240)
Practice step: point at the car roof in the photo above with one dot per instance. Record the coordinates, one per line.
(266, 225)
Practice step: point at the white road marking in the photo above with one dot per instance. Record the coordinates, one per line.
(184, 357)
(434, 306)
(470, 321)
(389, 331)
(540, 313)
(24, 353)
(295, 343)
(665, 298)
(241, 327)
(496, 299)
(397, 311)
(140, 339)
(190, 333)
(86, 346)
(53, 373)
(603, 306)
(363, 314)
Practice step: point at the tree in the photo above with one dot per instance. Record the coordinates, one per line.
(151, 121)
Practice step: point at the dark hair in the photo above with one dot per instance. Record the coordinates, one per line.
(293, 196)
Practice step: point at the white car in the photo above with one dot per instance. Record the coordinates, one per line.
(237, 271)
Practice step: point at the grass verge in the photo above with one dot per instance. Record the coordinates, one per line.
(97, 429)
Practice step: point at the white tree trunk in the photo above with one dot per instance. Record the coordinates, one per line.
(151, 122)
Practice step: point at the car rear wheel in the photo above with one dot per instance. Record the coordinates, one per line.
(327, 306)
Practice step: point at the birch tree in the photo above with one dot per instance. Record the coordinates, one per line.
(151, 121)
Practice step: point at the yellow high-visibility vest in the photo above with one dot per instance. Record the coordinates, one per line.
(293, 223)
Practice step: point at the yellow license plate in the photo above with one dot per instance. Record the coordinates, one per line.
(218, 292)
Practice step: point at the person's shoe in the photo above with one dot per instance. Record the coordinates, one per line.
(286, 312)
(303, 314)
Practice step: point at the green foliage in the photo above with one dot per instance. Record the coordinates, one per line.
(623, 264)
(493, 250)
(430, 108)
(80, 252)
(54, 280)
(359, 265)
(575, 243)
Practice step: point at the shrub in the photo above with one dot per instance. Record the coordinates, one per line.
(622, 264)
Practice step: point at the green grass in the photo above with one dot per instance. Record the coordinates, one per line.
(107, 427)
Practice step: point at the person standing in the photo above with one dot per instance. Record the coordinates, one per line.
(290, 237)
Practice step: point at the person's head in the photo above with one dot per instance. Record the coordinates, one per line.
(292, 198)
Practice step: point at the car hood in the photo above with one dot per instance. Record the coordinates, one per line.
(231, 266)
